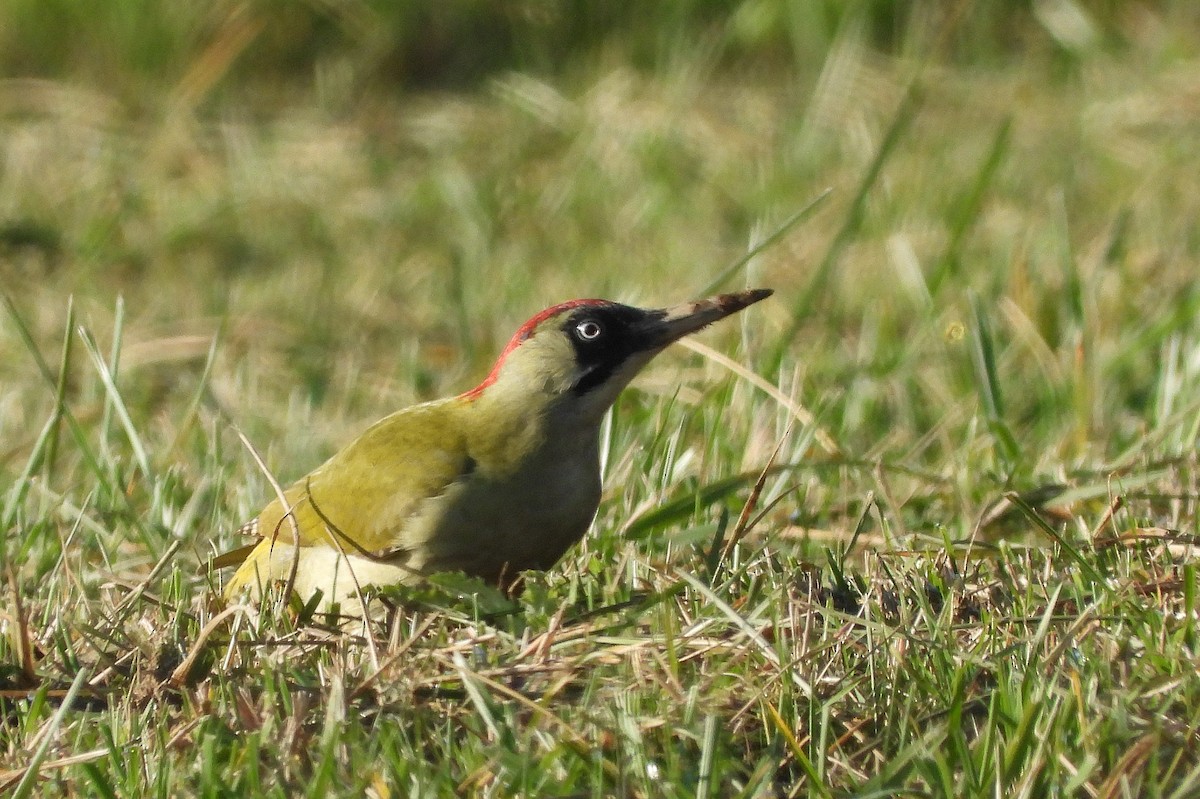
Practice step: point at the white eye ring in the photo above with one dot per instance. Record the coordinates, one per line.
(588, 330)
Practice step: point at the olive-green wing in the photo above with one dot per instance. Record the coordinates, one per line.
(366, 492)
(364, 495)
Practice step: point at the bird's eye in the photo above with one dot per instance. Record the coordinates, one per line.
(588, 330)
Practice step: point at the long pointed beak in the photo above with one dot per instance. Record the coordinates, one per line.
(671, 324)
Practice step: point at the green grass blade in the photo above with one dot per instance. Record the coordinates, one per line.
(801, 308)
(114, 368)
(983, 356)
(969, 208)
(728, 272)
(30, 778)
(76, 431)
(1093, 576)
(60, 390)
(118, 403)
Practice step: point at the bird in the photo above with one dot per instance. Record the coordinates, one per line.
(493, 482)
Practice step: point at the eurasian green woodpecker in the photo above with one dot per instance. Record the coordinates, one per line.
(492, 482)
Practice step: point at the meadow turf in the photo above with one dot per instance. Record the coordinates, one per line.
(922, 524)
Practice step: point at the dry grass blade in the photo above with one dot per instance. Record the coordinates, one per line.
(393, 658)
(21, 637)
(743, 522)
(1128, 769)
(288, 514)
(1117, 503)
(747, 629)
(798, 412)
(179, 676)
(10, 777)
(238, 31)
(140, 590)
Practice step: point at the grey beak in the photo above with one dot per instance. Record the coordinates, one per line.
(671, 324)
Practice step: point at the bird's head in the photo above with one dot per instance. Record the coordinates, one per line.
(584, 352)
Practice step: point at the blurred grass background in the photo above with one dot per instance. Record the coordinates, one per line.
(292, 166)
(294, 217)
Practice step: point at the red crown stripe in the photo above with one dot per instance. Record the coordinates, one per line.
(523, 333)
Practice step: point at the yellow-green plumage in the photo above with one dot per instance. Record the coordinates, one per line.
(492, 482)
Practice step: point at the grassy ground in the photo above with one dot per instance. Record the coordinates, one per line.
(921, 524)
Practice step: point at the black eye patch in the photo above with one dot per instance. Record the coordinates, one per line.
(603, 337)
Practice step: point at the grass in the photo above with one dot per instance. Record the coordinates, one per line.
(924, 523)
